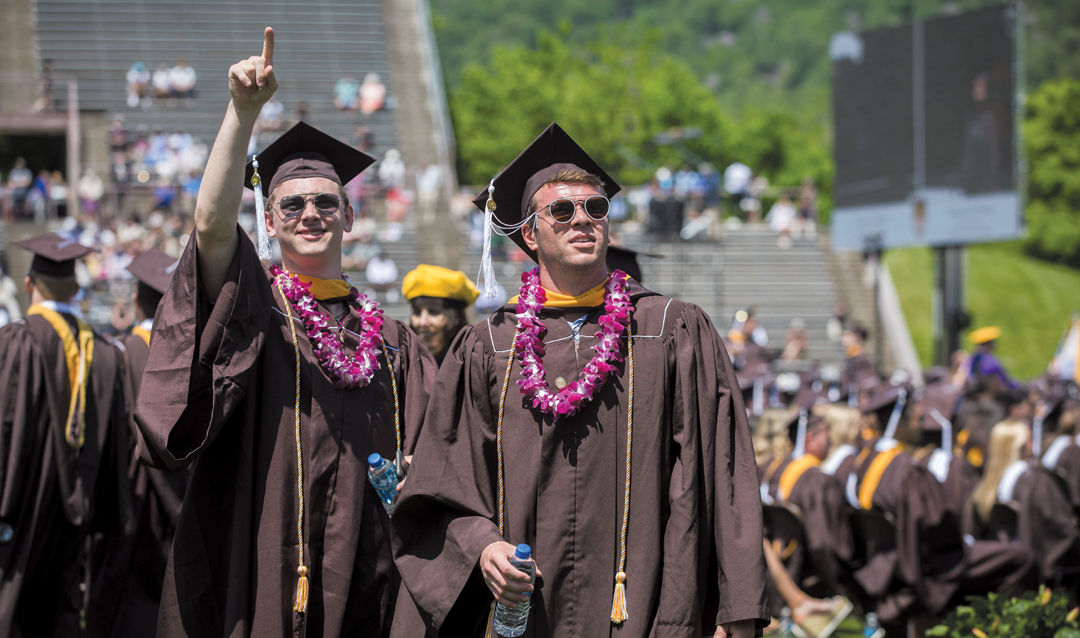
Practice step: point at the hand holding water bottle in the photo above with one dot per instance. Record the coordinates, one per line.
(507, 583)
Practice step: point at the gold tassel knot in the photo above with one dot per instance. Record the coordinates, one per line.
(618, 605)
(301, 590)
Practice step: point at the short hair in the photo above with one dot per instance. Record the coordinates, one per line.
(148, 299)
(567, 176)
(60, 289)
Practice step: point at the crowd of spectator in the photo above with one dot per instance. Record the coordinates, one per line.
(166, 86)
(172, 163)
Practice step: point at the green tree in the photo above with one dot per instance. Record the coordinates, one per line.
(1052, 132)
(614, 101)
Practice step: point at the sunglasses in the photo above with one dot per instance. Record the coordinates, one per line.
(292, 206)
(562, 210)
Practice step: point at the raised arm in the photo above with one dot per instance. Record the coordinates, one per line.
(251, 84)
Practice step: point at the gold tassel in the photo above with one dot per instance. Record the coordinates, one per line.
(618, 605)
(490, 633)
(301, 591)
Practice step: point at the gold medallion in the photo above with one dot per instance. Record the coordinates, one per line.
(560, 383)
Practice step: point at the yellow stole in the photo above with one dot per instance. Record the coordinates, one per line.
(588, 299)
(326, 288)
(142, 332)
(78, 355)
(874, 473)
(793, 472)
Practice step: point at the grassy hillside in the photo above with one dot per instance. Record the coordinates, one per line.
(1030, 299)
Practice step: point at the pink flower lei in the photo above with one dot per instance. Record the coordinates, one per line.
(349, 372)
(529, 345)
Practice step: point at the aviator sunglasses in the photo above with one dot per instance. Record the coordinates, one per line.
(292, 206)
(562, 210)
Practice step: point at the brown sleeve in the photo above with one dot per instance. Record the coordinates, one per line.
(716, 460)
(24, 419)
(204, 357)
(446, 514)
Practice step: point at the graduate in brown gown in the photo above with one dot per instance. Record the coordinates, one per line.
(1045, 521)
(64, 454)
(132, 565)
(797, 479)
(693, 551)
(281, 533)
(929, 565)
(1062, 455)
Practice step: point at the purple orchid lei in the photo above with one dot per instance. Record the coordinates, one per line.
(349, 372)
(529, 345)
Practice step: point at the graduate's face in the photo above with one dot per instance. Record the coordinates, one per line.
(578, 245)
(312, 234)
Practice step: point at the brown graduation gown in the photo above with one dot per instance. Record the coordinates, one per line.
(219, 386)
(931, 556)
(694, 554)
(53, 496)
(820, 498)
(132, 565)
(1044, 524)
(1068, 467)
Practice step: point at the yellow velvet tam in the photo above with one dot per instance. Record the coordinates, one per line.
(984, 335)
(436, 281)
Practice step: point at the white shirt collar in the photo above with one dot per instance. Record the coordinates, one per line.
(1053, 453)
(1008, 480)
(832, 463)
(147, 324)
(57, 306)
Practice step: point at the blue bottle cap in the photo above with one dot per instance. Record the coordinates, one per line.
(375, 460)
(523, 551)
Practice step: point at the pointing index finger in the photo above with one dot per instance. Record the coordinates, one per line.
(268, 46)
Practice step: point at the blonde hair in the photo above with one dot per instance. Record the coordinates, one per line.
(1007, 441)
(771, 435)
(843, 424)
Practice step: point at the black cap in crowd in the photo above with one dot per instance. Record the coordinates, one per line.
(54, 256)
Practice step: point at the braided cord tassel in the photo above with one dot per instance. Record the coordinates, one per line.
(300, 604)
(399, 453)
(618, 603)
(490, 632)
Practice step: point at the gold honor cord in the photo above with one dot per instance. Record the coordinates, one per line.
(78, 354)
(398, 449)
(618, 603)
(490, 633)
(300, 605)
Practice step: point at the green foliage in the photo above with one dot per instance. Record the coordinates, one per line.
(1030, 299)
(1052, 132)
(613, 101)
(1041, 615)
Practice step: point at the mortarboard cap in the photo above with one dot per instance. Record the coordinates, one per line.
(305, 151)
(154, 268)
(625, 259)
(435, 281)
(937, 402)
(54, 256)
(515, 186)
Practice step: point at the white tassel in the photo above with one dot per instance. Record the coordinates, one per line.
(800, 436)
(487, 269)
(894, 418)
(260, 215)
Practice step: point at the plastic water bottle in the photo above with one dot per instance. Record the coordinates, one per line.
(384, 478)
(511, 622)
(872, 628)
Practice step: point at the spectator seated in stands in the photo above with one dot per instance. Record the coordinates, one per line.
(347, 94)
(781, 218)
(161, 83)
(372, 94)
(138, 85)
(20, 179)
(182, 81)
(381, 273)
(271, 117)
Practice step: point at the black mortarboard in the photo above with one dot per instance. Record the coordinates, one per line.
(812, 420)
(153, 268)
(625, 259)
(515, 186)
(305, 151)
(54, 256)
(938, 401)
(886, 396)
